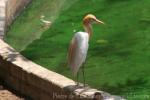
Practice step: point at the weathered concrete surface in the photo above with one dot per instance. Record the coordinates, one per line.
(2, 18)
(13, 9)
(9, 10)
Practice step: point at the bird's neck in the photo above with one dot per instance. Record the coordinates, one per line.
(88, 29)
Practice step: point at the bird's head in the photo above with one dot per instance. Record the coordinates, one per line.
(90, 19)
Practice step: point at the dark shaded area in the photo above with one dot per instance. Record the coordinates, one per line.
(4, 86)
(98, 96)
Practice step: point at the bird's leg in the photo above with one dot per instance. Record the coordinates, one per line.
(77, 79)
(83, 74)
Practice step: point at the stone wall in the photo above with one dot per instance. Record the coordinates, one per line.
(13, 8)
(38, 83)
(35, 81)
(2, 18)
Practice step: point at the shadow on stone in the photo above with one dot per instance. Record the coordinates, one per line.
(11, 55)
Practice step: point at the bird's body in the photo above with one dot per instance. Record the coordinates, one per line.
(79, 46)
(78, 51)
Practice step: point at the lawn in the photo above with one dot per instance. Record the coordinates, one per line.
(118, 59)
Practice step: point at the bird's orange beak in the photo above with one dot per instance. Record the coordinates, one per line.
(98, 21)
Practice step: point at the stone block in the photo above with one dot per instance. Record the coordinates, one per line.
(3, 74)
(16, 71)
(45, 96)
(30, 90)
(13, 82)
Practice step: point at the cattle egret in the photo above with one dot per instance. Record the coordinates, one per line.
(79, 46)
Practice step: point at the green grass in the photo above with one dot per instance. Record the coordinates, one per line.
(119, 65)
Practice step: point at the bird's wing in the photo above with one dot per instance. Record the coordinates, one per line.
(72, 51)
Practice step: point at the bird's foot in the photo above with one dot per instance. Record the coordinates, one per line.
(80, 85)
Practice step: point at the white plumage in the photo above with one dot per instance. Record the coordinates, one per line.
(80, 41)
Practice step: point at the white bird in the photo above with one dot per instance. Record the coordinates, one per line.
(46, 22)
(79, 46)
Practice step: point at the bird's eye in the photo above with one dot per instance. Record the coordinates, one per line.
(91, 20)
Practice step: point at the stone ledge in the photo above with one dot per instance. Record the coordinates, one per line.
(37, 82)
